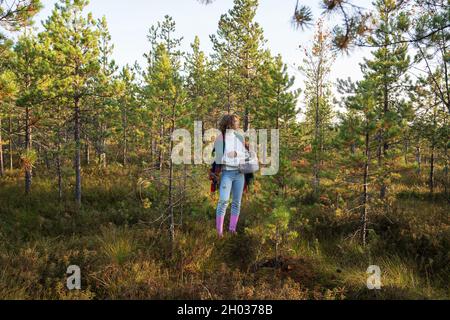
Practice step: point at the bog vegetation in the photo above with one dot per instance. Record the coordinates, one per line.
(86, 177)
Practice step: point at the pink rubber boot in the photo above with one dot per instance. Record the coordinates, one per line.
(219, 225)
(233, 223)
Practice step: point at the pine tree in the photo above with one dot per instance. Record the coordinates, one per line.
(126, 90)
(17, 14)
(161, 37)
(387, 69)
(201, 93)
(348, 136)
(238, 51)
(278, 110)
(430, 127)
(362, 106)
(103, 97)
(8, 90)
(29, 69)
(433, 29)
(277, 99)
(354, 25)
(13, 16)
(73, 39)
(316, 68)
(166, 97)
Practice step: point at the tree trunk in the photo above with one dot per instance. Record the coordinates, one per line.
(385, 98)
(246, 119)
(365, 191)
(152, 147)
(228, 80)
(46, 160)
(406, 151)
(77, 160)
(58, 167)
(247, 97)
(446, 172)
(379, 147)
(277, 245)
(125, 138)
(446, 158)
(385, 111)
(183, 202)
(418, 159)
(445, 60)
(171, 207)
(28, 165)
(317, 147)
(383, 138)
(383, 190)
(101, 148)
(19, 136)
(159, 145)
(382, 150)
(10, 147)
(87, 153)
(171, 211)
(431, 178)
(2, 166)
(446, 191)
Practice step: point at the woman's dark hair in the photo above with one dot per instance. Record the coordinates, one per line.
(227, 122)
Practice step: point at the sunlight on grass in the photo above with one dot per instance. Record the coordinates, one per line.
(117, 245)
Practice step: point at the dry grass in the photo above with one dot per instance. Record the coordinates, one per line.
(123, 255)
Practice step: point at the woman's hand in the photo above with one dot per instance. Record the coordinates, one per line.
(213, 176)
(232, 154)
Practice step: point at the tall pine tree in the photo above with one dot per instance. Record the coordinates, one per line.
(74, 52)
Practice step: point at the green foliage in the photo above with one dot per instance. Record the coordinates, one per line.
(239, 36)
(28, 159)
(63, 98)
(18, 14)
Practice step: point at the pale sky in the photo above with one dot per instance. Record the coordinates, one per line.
(130, 20)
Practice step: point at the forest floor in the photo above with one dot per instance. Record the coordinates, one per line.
(124, 251)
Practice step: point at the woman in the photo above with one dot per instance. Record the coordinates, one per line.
(229, 152)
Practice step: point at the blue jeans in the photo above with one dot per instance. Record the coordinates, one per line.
(230, 182)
